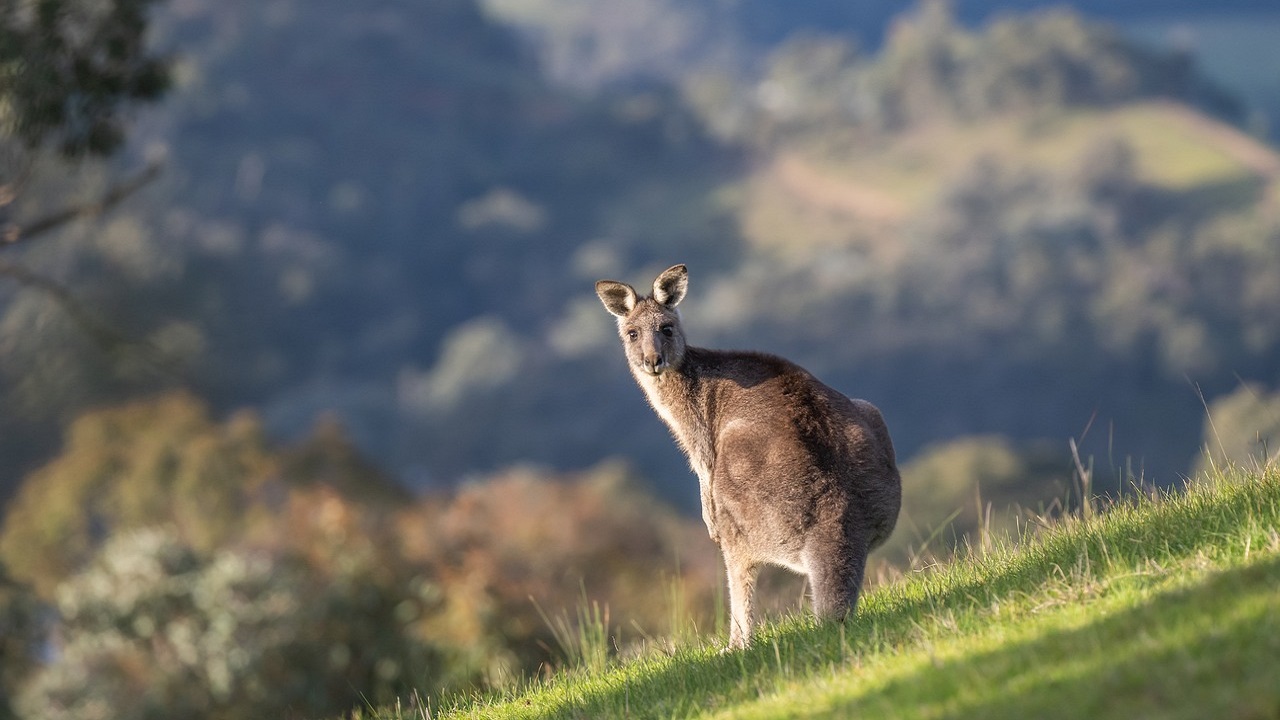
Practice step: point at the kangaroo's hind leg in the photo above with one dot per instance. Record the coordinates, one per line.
(742, 572)
(835, 578)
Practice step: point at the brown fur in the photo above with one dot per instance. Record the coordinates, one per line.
(792, 473)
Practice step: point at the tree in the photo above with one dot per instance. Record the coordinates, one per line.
(71, 68)
(155, 629)
(69, 72)
(165, 461)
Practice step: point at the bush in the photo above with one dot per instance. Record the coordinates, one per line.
(155, 629)
(165, 461)
(524, 540)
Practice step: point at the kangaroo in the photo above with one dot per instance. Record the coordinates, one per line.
(791, 472)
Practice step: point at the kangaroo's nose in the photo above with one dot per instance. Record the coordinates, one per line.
(654, 363)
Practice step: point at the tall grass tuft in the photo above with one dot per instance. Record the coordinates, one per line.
(583, 640)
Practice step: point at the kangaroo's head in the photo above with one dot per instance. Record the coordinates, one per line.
(649, 326)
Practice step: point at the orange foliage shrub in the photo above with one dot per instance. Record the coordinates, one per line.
(525, 537)
(166, 462)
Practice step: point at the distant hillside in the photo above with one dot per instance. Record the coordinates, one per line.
(594, 42)
(1055, 261)
(1174, 150)
(1033, 228)
(606, 44)
(1080, 250)
(343, 186)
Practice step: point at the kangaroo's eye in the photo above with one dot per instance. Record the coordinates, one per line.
(666, 330)
(632, 334)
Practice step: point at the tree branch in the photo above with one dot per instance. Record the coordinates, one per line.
(112, 341)
(105, 335)
(14, 233)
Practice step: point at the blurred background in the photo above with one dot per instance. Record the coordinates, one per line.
(306, 399)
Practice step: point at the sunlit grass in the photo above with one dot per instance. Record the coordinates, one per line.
(1175, 148)
(838, 188)
(1157, 607)
(1178, 149)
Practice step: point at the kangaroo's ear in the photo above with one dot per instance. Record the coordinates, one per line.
(618, 298)
(670, 287)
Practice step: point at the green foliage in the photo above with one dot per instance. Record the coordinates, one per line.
(71, 67)
(154, 629)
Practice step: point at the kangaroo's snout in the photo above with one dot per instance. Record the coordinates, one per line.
(652, 359)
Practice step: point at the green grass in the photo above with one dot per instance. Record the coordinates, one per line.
(1175, 148)
(883, 183)
(1164, 607)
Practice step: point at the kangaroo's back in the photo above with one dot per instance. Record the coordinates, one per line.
(791, 472)
(792, 453)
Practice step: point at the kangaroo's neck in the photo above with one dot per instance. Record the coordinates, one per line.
(683, 398)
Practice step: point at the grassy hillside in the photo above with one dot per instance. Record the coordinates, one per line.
(820, 186)
(1160, 607)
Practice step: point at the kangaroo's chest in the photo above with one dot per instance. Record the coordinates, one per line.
(688, 427)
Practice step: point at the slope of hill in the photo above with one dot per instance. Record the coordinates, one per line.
(1161, 607)
(817, 188)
